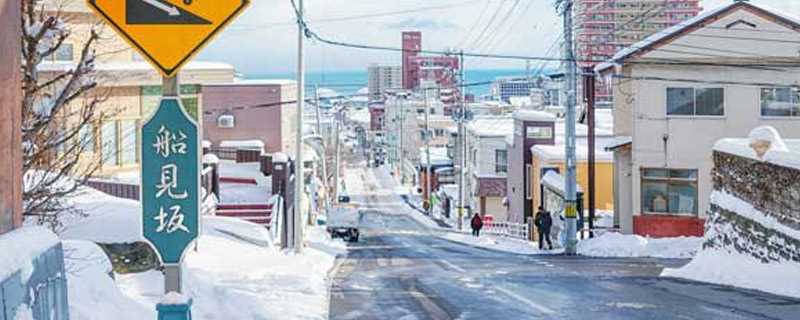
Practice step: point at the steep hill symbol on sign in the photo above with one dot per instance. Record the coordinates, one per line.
(144, 12)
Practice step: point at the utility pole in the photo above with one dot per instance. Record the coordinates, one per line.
(296, 242)
(588, 88)
(570, 205)
(337, 156)
(462, 136)
(401, 155)
(324, 151)
(428, 208)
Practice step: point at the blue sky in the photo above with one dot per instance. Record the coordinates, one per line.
(264, 39)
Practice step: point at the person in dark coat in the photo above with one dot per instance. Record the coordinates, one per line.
(543, 223)
(477, 225)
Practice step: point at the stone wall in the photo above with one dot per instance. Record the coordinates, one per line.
(773, 191)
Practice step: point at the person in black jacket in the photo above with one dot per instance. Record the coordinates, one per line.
(543, 223)
(477, 225)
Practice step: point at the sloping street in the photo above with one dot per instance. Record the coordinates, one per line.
(402, 270)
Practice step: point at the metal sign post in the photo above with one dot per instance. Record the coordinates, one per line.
(168, 33)
(170, 151)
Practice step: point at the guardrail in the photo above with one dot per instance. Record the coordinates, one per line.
(507, 229)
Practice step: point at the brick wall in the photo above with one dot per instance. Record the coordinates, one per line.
(773, 190)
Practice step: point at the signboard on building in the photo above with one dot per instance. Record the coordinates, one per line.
(168, 32)
(170, 180)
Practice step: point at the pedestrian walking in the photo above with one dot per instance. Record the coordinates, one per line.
(543, 222)
(477, 225)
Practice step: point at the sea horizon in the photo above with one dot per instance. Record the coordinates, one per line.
(348, 82)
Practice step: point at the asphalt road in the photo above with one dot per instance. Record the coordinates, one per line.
(401, 270)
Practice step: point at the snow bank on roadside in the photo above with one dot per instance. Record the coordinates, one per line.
(618, 245)
(93, 295)
(735, 269)
(233, 279)
(498, 243)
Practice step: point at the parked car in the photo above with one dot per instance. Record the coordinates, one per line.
(343, 222)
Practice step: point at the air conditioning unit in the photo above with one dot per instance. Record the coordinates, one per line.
(226, 121)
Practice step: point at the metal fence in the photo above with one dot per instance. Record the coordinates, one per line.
(508, 229)
(115, 188)
(224, 153)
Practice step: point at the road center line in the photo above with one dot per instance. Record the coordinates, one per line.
(524, 300)
(453, 266)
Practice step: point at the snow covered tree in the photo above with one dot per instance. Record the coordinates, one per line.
(60, 108)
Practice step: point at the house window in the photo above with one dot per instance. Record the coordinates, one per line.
(501, 161)
(110, 146)
(528, 175)
(669, 191)
(86, 138)
(695, 101)
(780, 102)
(129, 141)
(64, 53)
(540, 133)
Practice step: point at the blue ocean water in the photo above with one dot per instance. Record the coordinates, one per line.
(348, 82)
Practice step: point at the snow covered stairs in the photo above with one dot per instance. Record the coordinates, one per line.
(256, 213)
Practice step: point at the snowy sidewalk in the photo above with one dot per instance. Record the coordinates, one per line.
(234, 274)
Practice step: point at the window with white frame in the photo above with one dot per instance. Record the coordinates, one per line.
(695, 101)
(780, 102)
(110, 147)
(500, 161)
(669, 191)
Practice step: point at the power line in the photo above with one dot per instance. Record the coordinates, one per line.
(367, 16)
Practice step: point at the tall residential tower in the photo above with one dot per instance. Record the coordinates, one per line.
(604, 27)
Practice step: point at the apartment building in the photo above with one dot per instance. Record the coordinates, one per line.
(676, 93)
(604, 27)
(381, 79)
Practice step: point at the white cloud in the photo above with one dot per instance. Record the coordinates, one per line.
(264, 38)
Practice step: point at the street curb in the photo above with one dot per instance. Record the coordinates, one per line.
(337, 263)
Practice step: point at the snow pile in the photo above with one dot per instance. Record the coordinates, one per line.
(174, 298)
(243, 144)
(618, 245)
(783, 152)
(736, 269)
(233, 279)
(726, 266)
(93, 295)
(20, 247)
(504, 244)
(108, 219)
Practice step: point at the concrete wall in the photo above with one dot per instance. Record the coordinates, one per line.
(264, 124)
(10, 117)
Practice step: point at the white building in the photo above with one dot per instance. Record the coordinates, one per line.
(487, 164)
(677, 92)
(382, 78)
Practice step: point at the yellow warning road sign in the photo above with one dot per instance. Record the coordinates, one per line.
(168, 32)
